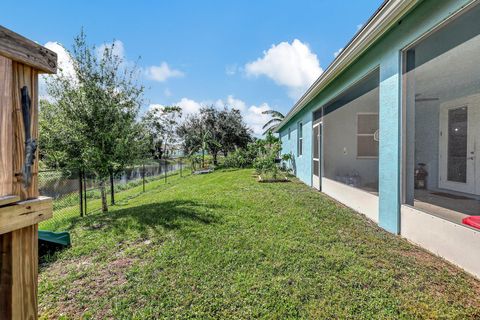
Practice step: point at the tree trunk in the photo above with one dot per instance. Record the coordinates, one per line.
(103, 192)
(215, 161)
(203, 158)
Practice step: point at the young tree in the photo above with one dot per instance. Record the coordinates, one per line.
(94, 113)
(234, 133)
(197, 136)
(161, 124)
(211, 131)
(215, 131)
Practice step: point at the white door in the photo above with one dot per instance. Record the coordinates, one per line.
(459, 167)
(316, 159)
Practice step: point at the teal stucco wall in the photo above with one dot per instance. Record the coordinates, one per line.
(385, 54)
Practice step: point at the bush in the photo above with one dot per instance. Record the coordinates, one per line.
(240, 158)
(268, 151)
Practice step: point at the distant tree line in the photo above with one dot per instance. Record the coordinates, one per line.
(92, 120)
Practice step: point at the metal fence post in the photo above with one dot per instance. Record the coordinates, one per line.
(112, 190)
(165, 168)
(143, 177)
(80, 191)
(85, 192)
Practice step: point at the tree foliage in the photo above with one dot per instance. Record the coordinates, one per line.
(276, 118)
(214, 131)
(161, 124)
(90, 122)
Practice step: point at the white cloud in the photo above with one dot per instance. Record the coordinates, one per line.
(162, 72)
(155, 106)
(336, 53)
(118, 49)
(64, 60)
(293, 65)
(359, 26)
(231, 102)
(252, 115)
(64, 67)
(255, 119)
(188, 106)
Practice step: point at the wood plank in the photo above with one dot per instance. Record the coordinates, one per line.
(24, 76)
(6, 275)
(25, 213)
(6, 128)
(4, 200)
(21, 49)
(25, 272)
(18, 273)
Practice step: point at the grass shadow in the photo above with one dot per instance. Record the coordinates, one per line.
(170, 215)
(143, 220)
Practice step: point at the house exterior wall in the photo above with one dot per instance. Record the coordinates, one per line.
(386, 54)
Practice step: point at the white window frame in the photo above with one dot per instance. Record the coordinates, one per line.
(300, 139)
(365, 134)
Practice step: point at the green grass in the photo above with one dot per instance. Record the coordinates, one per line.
(224, 246)
(66, 209)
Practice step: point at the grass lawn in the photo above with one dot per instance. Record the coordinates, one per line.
(225, 246)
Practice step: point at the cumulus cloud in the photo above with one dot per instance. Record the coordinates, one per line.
(64, 60)
(252, 114)
(64, 67)
(162, 72)
(188, 106)
(118, 49)
(155, 106)
(336, 53)
(255, 119)
(231, 102)
(292, 65)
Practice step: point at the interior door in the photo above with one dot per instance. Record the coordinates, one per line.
(459, 121)
(316, 159)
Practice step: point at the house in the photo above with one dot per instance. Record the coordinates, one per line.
(392, 127)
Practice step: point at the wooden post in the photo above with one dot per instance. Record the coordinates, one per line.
(21, 208)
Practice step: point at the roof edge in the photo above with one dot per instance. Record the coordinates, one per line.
(389, 13)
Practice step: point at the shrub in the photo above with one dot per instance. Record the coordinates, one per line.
(240, 158)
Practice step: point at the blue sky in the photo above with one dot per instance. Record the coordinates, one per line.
(254, 55)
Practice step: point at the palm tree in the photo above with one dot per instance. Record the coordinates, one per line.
(277, 117)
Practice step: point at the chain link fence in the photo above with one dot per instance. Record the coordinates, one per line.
(77, 194)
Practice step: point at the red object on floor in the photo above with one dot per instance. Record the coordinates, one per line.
(472, 221)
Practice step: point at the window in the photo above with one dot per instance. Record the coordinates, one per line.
(300, 139)
(350, 135)
(441, 97)
(367, 135)
(289, 133)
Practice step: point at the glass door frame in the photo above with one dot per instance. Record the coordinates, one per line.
(317, 180)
